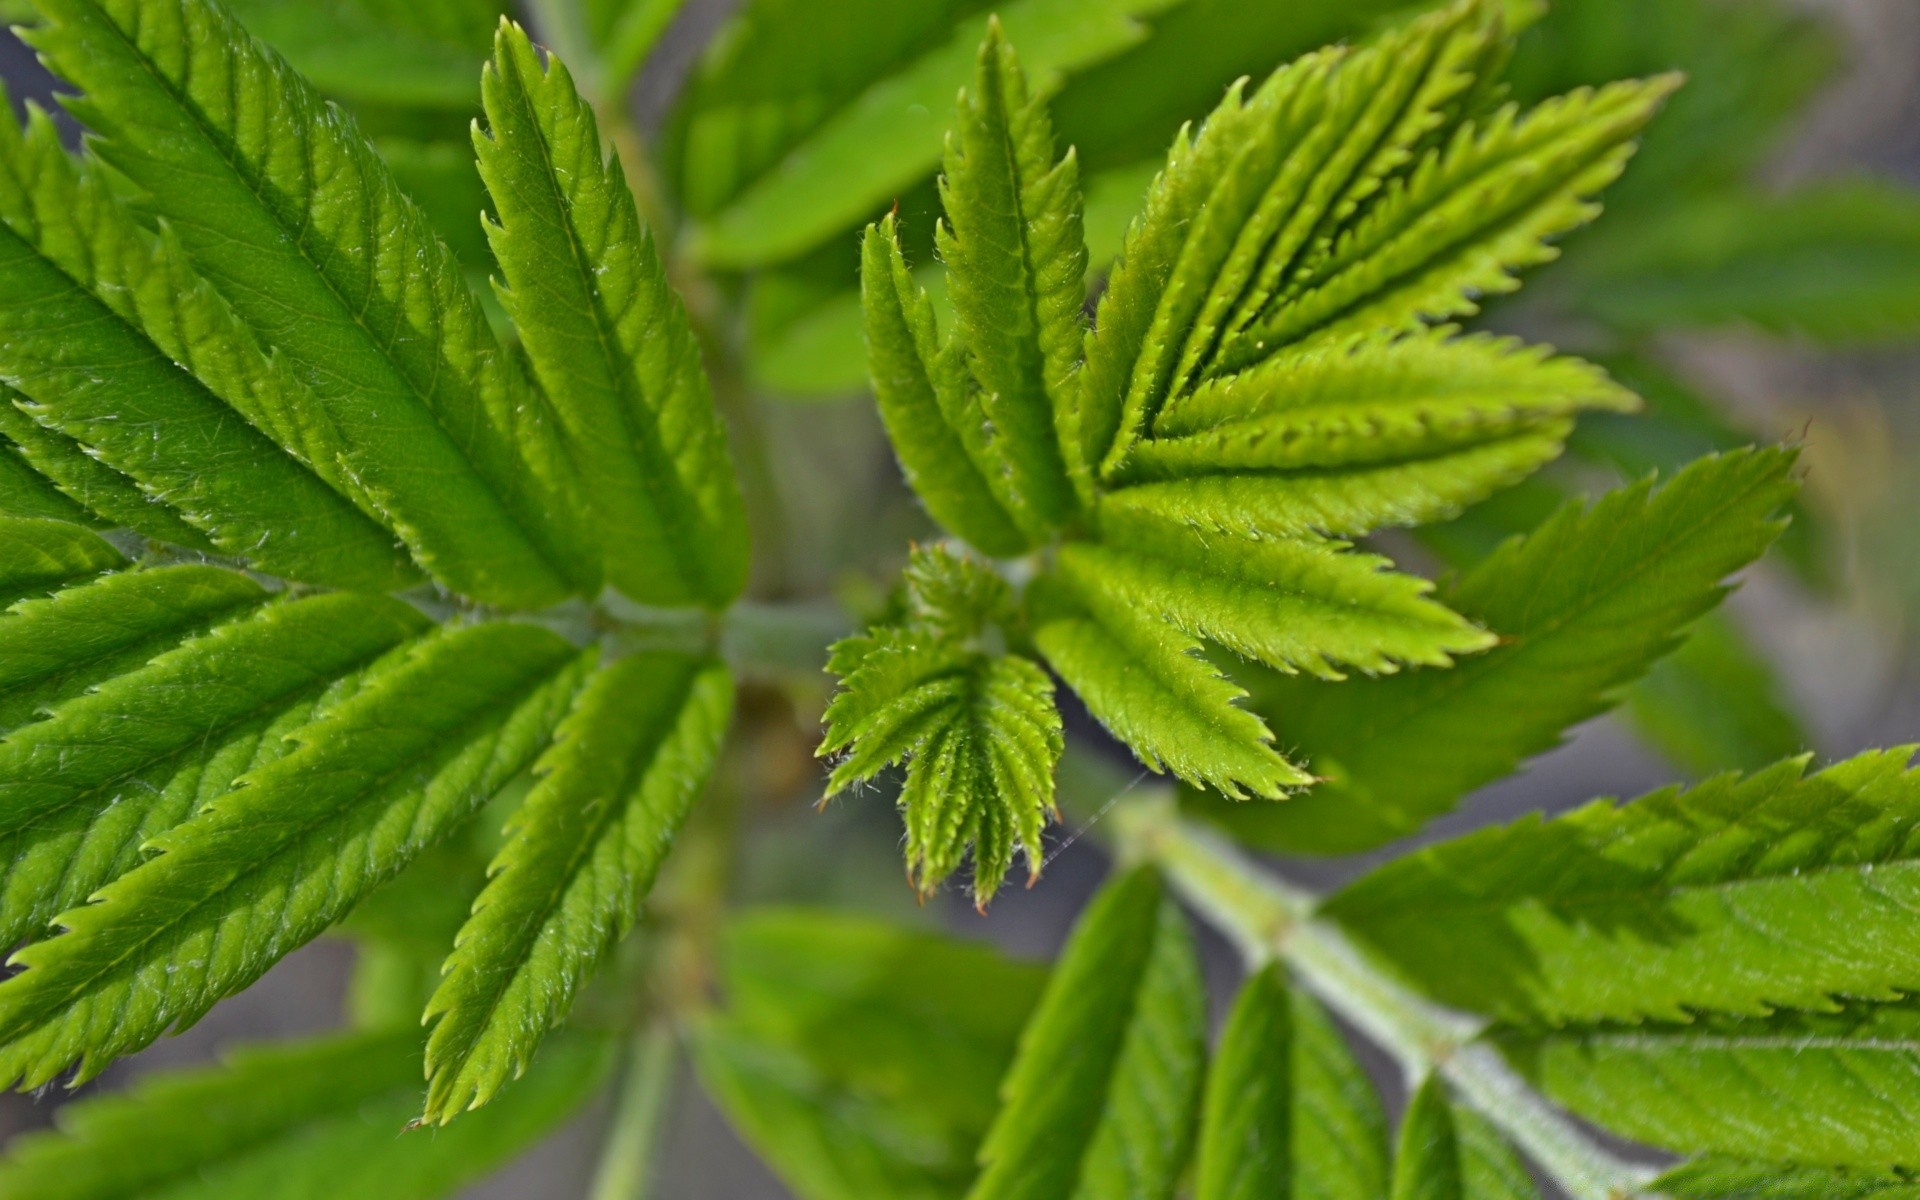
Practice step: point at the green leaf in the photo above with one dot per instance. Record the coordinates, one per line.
(285, 208)
(428, 736)
(1289, 1114)
(874, 1005)
(825, 1140)
(38, 556)
(873, 128)
(608, 340)
(55, 649)
(1751, 66)
(1101, 1099)
(1016, 269)
(103, 495)
(1447, 1153)
(1297, 604)
(1144, 680)
(849, 1059)
(119, 346)
(1836, 1089)
(1584, 605)
(978, 729)
(407, 53)
(1836, 262)
(1745, 894)
(127, 756)
(1733, 1179)
(626, 32)
(1464, 220)
(933, 419)
(1242, 205)
(25, 492)
(294, 1121)
(1350, 437)
(582, 851)
(1714, 704)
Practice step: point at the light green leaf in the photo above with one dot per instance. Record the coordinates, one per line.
(977, 728)
(1447, 1153)
(1101, 1099)
(38, 556)
(1584, 605)
(1715, 705)
(1345, 438)
(1735, 1179)
(1144, 680)
(126, 756)
(116, 344)
(1016, 270)
(1836, 262)
(427, 737)
(932, 417)
(54, 649)
(834, 166)
(1743, 895)
(103, 495)
(25, 492)
(1260, 203)
(1836, 1089)
(296, 1121)
(1289, 1114)
(607, 338)
(582, 851)
(296, 222)
(1465, 219)
(1297, 604)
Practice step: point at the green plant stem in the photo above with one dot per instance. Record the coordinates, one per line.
(759, 640)
(625, 1171)
(1266, 918)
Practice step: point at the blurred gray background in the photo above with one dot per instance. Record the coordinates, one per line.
(1849, 666)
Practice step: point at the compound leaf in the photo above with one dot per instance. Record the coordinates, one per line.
(426, 737)
(933, 419)
(298, 1121)
(103, 495)
(281, 203)
(39, 556)
(1836, 262)
(1143, 679)
(1289, 1114)
(627, 763)
(1016, 270)
(846, 1056)
(1833, 1089)
(1745, 894)
(1101, 1099)
(1753, 1179)
(856, 142)
(118, 762)
(978, 729)
(1584, 605)
(54, 649)
(608, 340)
(116, 344)
(1447, 1153)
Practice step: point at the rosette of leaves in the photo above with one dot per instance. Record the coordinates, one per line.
(1268, 376)
(304, 649)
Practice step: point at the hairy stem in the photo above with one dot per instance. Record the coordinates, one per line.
(1266, 918)
(625, 1170)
